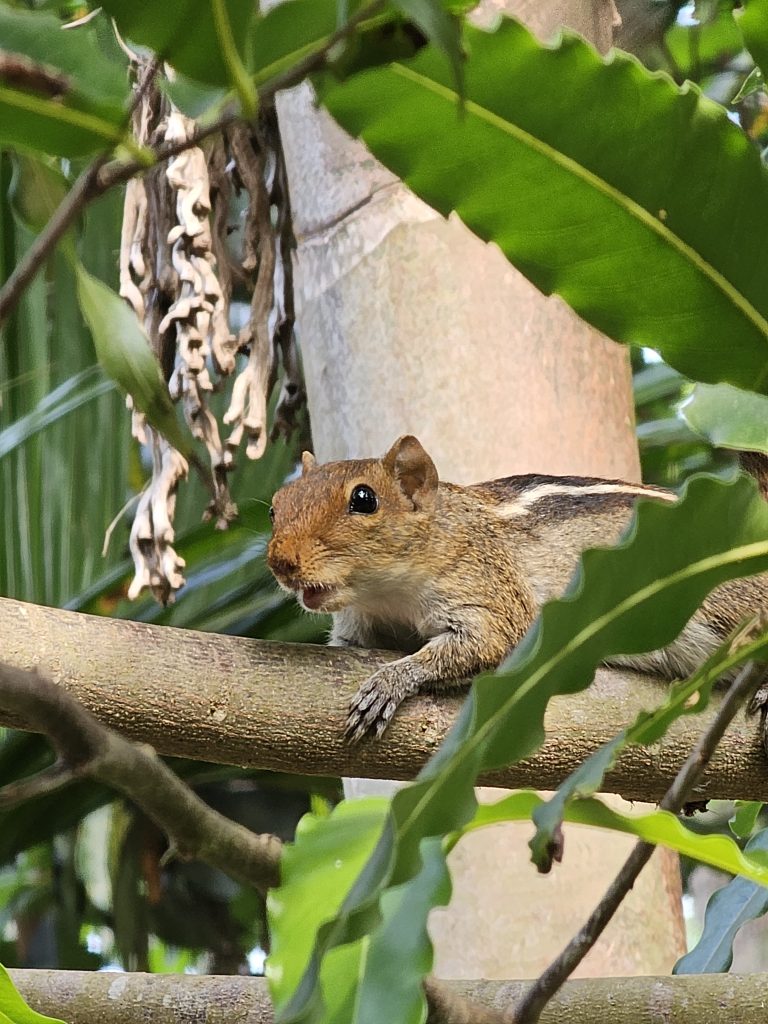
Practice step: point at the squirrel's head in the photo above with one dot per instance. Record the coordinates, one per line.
(346, 532)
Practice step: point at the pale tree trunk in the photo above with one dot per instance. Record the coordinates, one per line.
(410, 324)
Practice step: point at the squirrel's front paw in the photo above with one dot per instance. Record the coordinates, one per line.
(376, 701)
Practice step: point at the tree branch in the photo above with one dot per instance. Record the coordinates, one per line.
(533, 1002)
(86, 747)
(82, 997)
(283, 707)
(82, 192)
(97, 179)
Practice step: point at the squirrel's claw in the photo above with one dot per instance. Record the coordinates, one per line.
(375, 703)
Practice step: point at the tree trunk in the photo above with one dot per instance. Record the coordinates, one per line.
(410, 324)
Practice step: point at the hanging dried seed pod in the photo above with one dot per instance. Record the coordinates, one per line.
(178, 274)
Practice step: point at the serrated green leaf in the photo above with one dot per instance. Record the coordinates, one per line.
(629, 599)
(400, 954)
(123, 350)
(80, 110)
(13, 1006)
(745, 814)
(689, 696)
(728, 416)
(727, 910)
(754, 27)
(361, 982)
(658, 827)
(584, 205)
(316, 871)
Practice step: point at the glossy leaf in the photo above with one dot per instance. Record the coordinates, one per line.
(583, 206)
(727, 910)
(123, 350)
(58, 92)
(384, 990)
(689, 696)
(187, 35)
(728, 416)
(360, 982)
(754, 27)
(13, 1007)
(633, 598)
(316, 873)
(744, 818)
(658, 827)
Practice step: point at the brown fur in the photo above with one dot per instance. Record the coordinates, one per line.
(456, 575)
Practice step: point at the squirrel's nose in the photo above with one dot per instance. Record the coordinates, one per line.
(282, 566)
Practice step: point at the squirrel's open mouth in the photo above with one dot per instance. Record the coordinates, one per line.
(314, 596)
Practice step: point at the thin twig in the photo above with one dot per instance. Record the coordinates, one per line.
(85, 747)
(49, 780)
(97, 179)
(84, 190)
(530, 1007)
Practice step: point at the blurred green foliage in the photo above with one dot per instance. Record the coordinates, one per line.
(68, 466)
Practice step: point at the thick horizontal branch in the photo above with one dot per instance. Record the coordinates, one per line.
(283, 707)
(81, 997)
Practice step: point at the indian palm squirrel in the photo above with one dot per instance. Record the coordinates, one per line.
(456, 575)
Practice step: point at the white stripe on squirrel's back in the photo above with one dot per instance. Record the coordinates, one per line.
(522, 504)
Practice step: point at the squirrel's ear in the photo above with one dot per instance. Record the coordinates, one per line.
(307, 462)
(413, 469)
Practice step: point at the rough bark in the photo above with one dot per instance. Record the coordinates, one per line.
(82, 997)
(283, 706)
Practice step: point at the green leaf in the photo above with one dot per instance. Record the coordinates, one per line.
(188, 34)
(58, 93)
(14, 1009)
(665, 432)
(745, 814)
(658, 827)
(655, 382)
(38, 188)
(75, 392)
(629, 599)
(585, 207)
(728, 416)
(440, 27)
(400, 954)
(727, 910)
(754, 82)
(123, 350)
(360, 982)
(689, 696)
(697, 49)
(316, 873)
(754, 27)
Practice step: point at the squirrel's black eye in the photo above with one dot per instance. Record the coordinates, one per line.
(271, 514)
(363, 500)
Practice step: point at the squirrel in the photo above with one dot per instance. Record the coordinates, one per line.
(455, 576)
